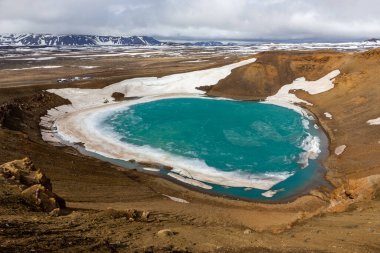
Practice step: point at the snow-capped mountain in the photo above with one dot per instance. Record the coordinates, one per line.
(375, 40)
(74, 40)
(208, 43)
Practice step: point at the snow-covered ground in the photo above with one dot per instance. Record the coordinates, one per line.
(88, 67)
(328, 115)
(374, 121)
(284, 97)
(194, 53)
(36, 67)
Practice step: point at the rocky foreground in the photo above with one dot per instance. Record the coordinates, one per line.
(34, 187)
(34, 219)
(24, 189)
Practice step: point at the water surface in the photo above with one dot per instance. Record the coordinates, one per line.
(248, 139)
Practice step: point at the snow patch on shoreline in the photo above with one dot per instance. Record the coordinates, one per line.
(176, 84)
(285, 98)
(34, 59)
(190, 181)
(37, 67)
(374, 121)
(88, 67)
(339, 150)
(176, 199)
(195, 61)
(328, 115)
(151, 169)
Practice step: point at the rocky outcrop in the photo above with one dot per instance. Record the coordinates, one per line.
(4, 112)
(118, 96)
(165, 233)
(352, 191)
(25, 173)
(35, 186)
(271, 71)
(23, 113)
(42, 198)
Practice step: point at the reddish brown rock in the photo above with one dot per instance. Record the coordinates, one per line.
(352, 191)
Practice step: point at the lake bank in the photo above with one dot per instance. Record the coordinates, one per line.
(78, 127)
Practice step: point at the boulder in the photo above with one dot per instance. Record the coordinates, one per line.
(56, 212)
(41, 198)
(165, 233)
(17, 168)
(247, 231)
(25, 173)
(36, 187)
(352, 191)
(118, 96)
(36, 177)
(145, 215)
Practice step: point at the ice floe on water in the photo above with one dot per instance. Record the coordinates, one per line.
(271, 193)
(305, 123)
(311, 147)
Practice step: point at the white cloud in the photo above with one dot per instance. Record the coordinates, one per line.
(279, 19)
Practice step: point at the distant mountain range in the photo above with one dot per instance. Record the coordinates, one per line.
(92, 40)
(373, 40)
(74, 40)
(42, 40)
(200, 44)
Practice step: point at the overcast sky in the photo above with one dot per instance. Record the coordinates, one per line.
(206, 19)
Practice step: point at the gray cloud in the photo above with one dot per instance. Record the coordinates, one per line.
(235, 19)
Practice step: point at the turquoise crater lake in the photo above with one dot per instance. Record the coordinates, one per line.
(273, 146)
